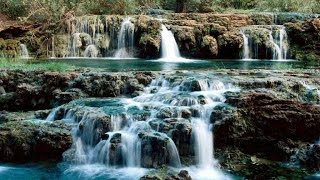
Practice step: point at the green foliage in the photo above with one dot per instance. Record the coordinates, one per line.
(54, 10)
(13, 8)
(307, 6)
(237, 4)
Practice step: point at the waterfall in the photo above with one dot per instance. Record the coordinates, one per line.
(91, 51)
(125, 40)
(277, 41)
(52, 45)
(141, 131)
(169, 46)
(96, 36)
(24, 51)
(245, 54)
(277, 52)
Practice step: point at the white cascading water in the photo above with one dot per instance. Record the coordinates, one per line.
(277, 38)
(24, 54)
(245, 54)
(125, 142)
(91, 51)
(169, 46)
(53, 55)
(277, 52)
(125, 40)
(103, 32)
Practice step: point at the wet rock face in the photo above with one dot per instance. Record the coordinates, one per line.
(230, 45)
(267, 126)
(153, 151)
(304, 36)
(147, 37)
(24, 141)
(310, 157)
(93, 126)
(34, 90)
(209, 47)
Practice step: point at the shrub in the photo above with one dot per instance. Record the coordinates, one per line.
(13, 8)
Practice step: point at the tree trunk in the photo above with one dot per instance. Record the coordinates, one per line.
(181, 6)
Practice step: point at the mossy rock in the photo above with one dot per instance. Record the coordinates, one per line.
(209, 47)
(149, 46)
(61, 45)
(262, 19)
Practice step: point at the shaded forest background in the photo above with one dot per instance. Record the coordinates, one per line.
(55, 10)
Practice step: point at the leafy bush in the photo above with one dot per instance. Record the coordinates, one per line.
(13, 8)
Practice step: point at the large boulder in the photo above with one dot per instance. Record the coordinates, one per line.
(25, 141)
(267, 126)
(303, 36)
(230, 45)
(209, 47)
(147, 33)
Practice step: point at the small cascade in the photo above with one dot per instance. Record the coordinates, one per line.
(91, 51)
(245, 54)
(111, 36)
(169, 46)
(125, 40)
(24, 51)
(146, 131)
(265, 41)
(277, 52)
(53, 55)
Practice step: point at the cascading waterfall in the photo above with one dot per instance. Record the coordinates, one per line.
(91, 51)
(24, 51)
(169, 46)
(245, 54)
(96, 36)
(53, 55)
(125, 40)
(130, 132)
(277, 52)
(277, 41)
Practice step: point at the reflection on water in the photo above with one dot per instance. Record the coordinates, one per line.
(114, 65)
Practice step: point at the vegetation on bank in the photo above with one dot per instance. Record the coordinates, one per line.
(24, 64)
(55, 10)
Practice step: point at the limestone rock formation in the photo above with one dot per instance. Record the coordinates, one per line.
(24, 141)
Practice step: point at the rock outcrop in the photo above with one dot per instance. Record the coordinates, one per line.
(26, 90)
(304, 37)
(268, 127)
(25, 141)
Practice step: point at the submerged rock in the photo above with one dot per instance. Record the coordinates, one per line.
(183, 175)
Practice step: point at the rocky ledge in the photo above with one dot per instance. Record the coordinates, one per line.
(269, 129)
(208, 35)
(35, 90)
(28, 141)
